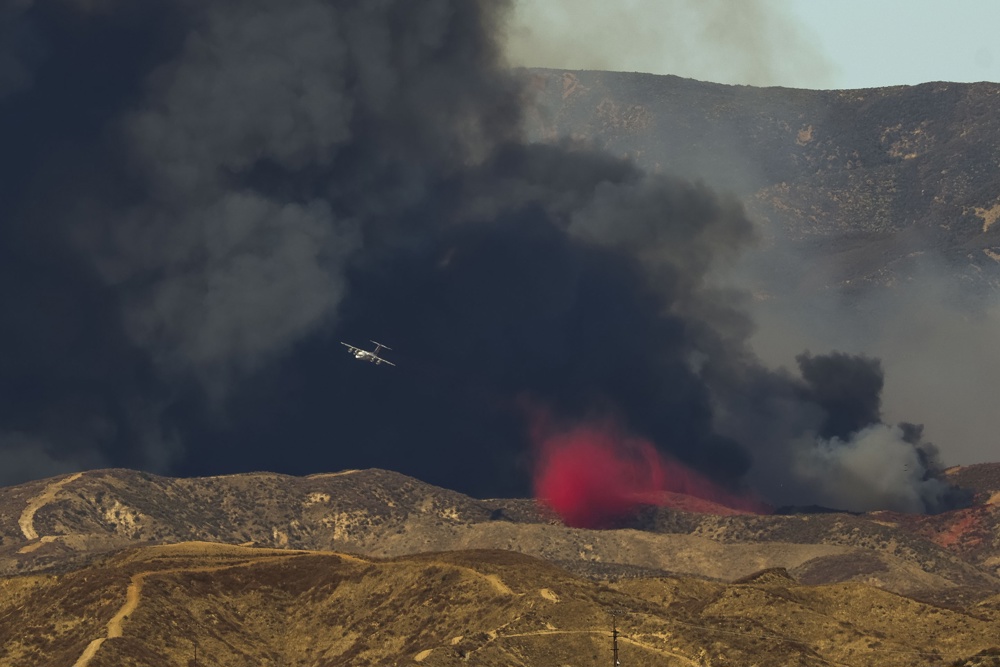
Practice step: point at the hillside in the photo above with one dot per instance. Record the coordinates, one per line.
(159, 605)
(116, 567)
(55, 524)
(859, 183)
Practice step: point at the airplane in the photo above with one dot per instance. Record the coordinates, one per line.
(365, 355)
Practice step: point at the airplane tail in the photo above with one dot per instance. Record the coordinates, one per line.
(380, 344)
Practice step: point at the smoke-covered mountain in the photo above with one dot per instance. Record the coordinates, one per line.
(875, 212)
(864, 183)
(200, 200)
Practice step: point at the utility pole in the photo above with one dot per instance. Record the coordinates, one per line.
(614, 637)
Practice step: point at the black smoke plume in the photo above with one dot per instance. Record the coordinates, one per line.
(200, 200)
(847, 388)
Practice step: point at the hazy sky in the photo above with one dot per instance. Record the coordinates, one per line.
(795, 43)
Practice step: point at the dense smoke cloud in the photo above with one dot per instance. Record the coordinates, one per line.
(930, 332)
(847, 388)
(18, 48)
(188, 235)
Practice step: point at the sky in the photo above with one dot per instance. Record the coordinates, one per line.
(817, 44)
(201, 200)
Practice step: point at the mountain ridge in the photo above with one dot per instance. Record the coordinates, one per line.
(863, 183)
(378, 513)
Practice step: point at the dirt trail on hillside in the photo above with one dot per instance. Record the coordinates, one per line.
(662, 651)
(496, 582)
(134, 594)
(45, 539)
(321, 475)
(27, 520)
(625, 640)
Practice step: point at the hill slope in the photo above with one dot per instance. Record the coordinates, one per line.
(68, 521)
(156, 606)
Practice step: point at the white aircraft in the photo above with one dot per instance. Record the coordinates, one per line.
(365, 355)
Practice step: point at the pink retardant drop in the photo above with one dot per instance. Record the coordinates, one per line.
(593, 476)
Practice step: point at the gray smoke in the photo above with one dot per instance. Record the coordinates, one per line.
(246, 184)
(751, 42)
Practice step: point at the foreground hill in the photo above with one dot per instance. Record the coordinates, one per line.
(198, 603)
(65, 522)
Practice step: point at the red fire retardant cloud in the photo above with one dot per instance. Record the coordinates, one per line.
(592, 475)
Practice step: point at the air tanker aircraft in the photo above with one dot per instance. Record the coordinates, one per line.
(372, 356)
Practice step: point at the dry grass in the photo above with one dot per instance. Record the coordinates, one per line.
(271, 607)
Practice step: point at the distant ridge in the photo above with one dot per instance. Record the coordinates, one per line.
(861, 183)
(379, 513)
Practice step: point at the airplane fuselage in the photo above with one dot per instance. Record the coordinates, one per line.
(365, 355)
(368, 356)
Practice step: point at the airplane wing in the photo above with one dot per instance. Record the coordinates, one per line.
(351, 348)
(380, 360)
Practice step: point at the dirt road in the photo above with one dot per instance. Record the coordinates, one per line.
(27, 520)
